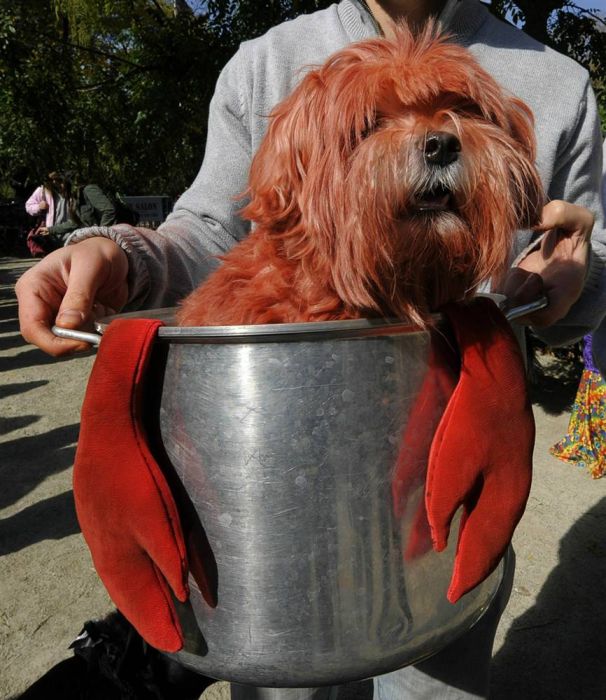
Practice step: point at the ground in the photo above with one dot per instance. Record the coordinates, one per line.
(551, 642)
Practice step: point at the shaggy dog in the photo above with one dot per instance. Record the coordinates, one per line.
(391, 181)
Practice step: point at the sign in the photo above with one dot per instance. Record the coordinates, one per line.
(152, 209)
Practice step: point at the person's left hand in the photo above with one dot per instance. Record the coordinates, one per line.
(42, 231)
(557, 268)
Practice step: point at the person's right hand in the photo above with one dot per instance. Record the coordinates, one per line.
(71, 287)
(42, 206)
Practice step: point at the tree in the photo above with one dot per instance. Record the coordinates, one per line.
(119, 90)
(568, 28)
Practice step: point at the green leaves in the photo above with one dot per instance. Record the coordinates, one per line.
(568, 28)
(119, 89)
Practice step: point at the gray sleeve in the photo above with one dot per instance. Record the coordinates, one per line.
(598, 345)
(598, 348)
(166, 264)
(578, 179)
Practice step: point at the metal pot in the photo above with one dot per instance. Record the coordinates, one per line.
(286, 438)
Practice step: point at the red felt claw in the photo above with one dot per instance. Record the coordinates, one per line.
(481, 455)
(410, 471)
(125, 507)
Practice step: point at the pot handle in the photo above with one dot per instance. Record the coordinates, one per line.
(518, 311)
(71, 334)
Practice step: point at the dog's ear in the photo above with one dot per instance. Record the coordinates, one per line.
(297, 175)
(521, 125)
(279, 167)
(515, 118)
(532, 195)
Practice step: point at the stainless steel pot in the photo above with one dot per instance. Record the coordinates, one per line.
(286, 439)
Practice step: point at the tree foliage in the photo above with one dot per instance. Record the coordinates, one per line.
(118, 90)
(567, 27)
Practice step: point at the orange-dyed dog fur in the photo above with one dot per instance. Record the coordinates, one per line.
(391, 181)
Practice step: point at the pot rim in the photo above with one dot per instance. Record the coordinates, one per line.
(271, 332)
(281, 332)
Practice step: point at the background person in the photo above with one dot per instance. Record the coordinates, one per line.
(78, 206)
(49, 201)
(50, 205)
(21, 183)
(585, 442)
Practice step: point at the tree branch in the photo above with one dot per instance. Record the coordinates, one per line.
(102, 83)
(588, 13)
(93, 50)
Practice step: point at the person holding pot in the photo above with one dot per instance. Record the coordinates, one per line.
(105, 269)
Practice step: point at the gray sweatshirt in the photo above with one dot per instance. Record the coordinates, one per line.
(168, 263)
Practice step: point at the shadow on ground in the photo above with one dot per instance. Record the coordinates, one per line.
(10, 342)
(7, 390)
(50, 519)
(533, 664)
(26, 461)
(28, 358)
(9, 325)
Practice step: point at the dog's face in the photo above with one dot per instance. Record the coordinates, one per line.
(398, 172)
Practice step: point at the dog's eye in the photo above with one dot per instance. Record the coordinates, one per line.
(469, 109)
(459, 104)
(357, 136)
(365, 133)
(368, 127)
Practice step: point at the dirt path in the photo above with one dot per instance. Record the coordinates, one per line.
(550, 643)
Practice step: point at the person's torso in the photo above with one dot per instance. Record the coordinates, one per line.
(86, 210)
(60, 209)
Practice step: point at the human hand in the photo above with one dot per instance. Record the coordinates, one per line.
(75, 284)
(42, 231)
(557, 268)
(42, 206)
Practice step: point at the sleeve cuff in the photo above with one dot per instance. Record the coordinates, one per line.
(595, 270)
(128, 239)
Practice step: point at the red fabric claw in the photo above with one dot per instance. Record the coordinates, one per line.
(410, 471)
(125, 507)
(481, 454)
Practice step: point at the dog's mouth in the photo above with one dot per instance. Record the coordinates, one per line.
(438, 198)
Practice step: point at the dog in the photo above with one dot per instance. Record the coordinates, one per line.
(391, 181)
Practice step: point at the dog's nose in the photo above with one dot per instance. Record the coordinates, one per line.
(441, 148)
